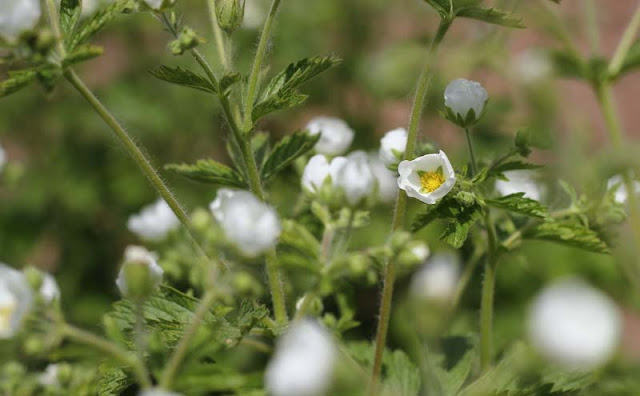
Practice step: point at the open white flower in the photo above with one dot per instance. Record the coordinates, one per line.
(154, 221)
(353, 175)
(157, 392)
(520, 181)
(15, 300)
(427, 178)
(140, 273)
(392, 146)
(438, 279)
(462, 96)
(617, 184)
(574, 325)
(250, 224)
(17, 17)
(387, 180)
(303, 362)
(335, 135)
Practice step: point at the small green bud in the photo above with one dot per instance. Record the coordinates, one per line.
(140, 275)
(466, 198)
(399, 239)
(244, 283)
(13, 370)
(414, 253)
(230, 14)
(187, 39)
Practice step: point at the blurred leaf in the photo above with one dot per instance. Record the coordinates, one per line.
(632, 61)
(113, 381)
(518, 203)
(205, 378)
(499, 170)
(567, 64)
(286, 151)
(276, 103)
(97, 21)
(571, 234)
(425, 218)
(70, 11)
(81, 54)
(209, 171)
(493, 16)
(455, 363)
(17, 80)
(184, 77)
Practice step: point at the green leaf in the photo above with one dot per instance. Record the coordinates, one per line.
(454, 363)
(281, 92)
(491, 15)
(70, 11)
(631, 61)
(17, 80)
(286, 151)
(96, 22)
(186, 78)
(499, 170)
(425, 218)
(457, 230)
(569, 65)
(227, 81)
(209, 171)
(81, 54)
(113, 381)
(517, 203)
(571, 234)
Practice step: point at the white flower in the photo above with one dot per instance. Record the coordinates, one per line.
(154, 221)
(315, 173)
(427, 178)
(142, 258)
(392, 146)
(50, 376)
(532, 65)
(617, 184)
(335, 135)
(157, 392)
(302, 364)
(387, 183)
(15, 300)
(520, 181)
(18, 16)
(438, 279)
(3, 158)
(463, 95)
(49, 289)
(353, 175)
(574, 325)
(250, 224)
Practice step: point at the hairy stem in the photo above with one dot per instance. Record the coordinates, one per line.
(474, 168)
(181, 349)
(225, 59)
(252, 87)
(401, 202)
(125, 357)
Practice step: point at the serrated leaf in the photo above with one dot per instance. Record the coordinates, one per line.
(281, 101)
(97, 21)
(70, 11)
(491, 15)
(184, 77)
(17, 80)
(81, 54)
(113, 381)
(286, 151)
(457, 230)
(209, 171)
(518, 203)
(227, 81)
(500, 169)
(571, 234)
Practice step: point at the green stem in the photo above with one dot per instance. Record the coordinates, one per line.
(181, 349)
(401, 202)
(137, 155)
(252, 87)
(101, 344)
(593, 33)
(474, 169)
(225, 60)
(277, 289)
(628, 38)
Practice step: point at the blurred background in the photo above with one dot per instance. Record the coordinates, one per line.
(69, 188)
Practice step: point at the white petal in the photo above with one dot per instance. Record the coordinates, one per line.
(335, 135)
(154, 221)
(315, 173)
(438, 279)
(15, 300)
(392, 143)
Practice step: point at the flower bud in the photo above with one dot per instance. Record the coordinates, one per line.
(302, 364)
(249, 224)
(316, 172)
(187, 39)
(465, 101)
(617, 185)
(392, 147)
(414, 253)
(574, 325)
(17, 17)
(140, 274)
(154, 221)
(230, 14)
(438, 278)
(15, 300)
(399, 239)
(314, 307)
(354, 177)
(335, 135)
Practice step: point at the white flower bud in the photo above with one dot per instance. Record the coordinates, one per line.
(462, 96)
(427, 178)
(392, 146)
(250, 224)
(15, 300)
(353, 175)
(335, 135)
(18, 16)
(140, 273)
(302, 364)
(438, 279)
(387, 180)
(154, 221)
(315, 173)
(157, 392)
(574, 325)
(49, 289)
(520, 181)
(616, 184)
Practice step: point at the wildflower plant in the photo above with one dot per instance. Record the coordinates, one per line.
(249, 276)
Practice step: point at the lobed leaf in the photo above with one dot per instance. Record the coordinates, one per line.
(492, 15)
(17, 80)
(518, 203)
(286, 151)
(70, 11)
(282, 101)
(186, 78)
(209, 171)
(570, 234)
(457, 230)
(81, 54)
(96, 22)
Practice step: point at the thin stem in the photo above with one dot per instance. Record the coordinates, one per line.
(277, 289)
(252, 87)
(54, 22)
(474, 168)
(628, 38)
(401, 202)
(181, 349)
(101, 344)
(225, 60)
(137, 155)
(593, 32)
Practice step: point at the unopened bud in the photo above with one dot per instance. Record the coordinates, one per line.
(230, 14)
(187, 39)
(140, 275)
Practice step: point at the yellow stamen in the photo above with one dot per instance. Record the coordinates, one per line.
(6, 312)
(431, 181)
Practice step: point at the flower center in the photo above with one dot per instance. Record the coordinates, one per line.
(431, 181)
(6, 312)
